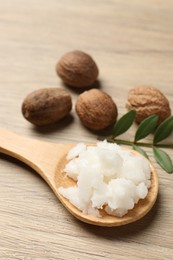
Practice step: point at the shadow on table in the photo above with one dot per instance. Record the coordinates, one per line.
(60, 125)
(78, 90)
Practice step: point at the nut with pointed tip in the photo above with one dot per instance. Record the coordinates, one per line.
(77, 69)
(148, 101)
(96, 109)
(46, 106)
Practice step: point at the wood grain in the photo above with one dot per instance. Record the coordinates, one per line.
(132, 42)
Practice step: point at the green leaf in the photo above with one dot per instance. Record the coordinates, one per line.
(146, 127)
(163, 159)
(140, 150)
(164, 130)
(124, 123)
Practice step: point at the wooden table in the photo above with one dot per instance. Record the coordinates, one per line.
(132, 42)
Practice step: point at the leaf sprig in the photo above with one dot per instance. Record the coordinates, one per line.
(147, 126)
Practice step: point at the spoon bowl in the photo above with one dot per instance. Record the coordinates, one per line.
(49, 160)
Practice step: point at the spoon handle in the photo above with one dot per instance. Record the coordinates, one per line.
(43, 157)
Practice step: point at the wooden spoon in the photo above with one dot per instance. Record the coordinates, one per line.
(49, 160)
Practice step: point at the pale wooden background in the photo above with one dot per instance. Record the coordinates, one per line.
(132, 42)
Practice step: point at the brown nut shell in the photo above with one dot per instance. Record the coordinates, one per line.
(148, 101)
(46, 106)
(77, 69)
(96, 109)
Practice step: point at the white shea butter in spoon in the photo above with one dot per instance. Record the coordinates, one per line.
(107, 177)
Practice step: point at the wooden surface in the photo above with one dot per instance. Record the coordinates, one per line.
(132, 42)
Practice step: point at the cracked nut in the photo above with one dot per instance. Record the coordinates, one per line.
(77, 69)
(46, 106)
(148, 101)
(96, 109)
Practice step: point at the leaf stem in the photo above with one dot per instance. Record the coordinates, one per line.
(111, 139)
